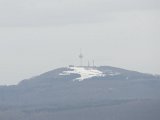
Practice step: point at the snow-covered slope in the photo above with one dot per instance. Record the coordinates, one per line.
(84, 72)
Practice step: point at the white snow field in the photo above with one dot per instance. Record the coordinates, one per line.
(84, 72)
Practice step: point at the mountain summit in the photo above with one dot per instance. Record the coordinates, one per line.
(83, 73)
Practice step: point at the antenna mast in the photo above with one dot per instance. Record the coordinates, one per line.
(81, 58)
(93, 64)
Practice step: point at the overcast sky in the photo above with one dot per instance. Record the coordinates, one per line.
(40, 35)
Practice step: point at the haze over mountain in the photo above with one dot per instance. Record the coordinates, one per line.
(40, 35)
(91, 93)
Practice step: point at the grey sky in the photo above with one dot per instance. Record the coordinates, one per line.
(40, 35)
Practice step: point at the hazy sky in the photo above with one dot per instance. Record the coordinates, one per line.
(40, 35)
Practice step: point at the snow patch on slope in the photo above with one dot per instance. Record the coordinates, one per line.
(84, 72)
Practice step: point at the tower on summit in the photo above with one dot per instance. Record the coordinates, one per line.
(81, 58)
